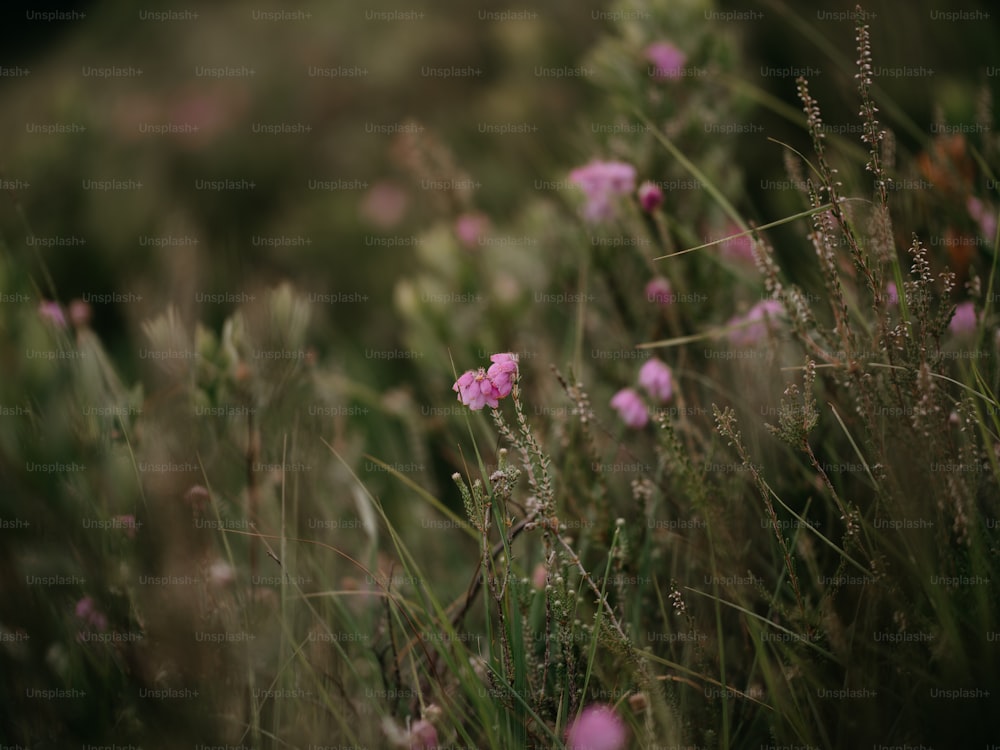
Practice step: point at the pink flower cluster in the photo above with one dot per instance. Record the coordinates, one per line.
(656, 379)
(482, 387)
(597, 727)
(601, 181)
(750, 328)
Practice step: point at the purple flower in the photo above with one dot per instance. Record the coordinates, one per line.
(752, 327)
(965, 320)
(892, 293)
(53, 313)
(655, 377)
(87, 611)
(597, 727)
(668, 61)
(601, 181)
(630, 408)
(659, 290)
(650, 196)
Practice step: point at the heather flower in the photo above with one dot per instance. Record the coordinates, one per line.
(601, 181)
(423, 736)
(668, 61)
(597, 727)
(659, 290)
(87, 611)
(502, 372)
(752, 327)
(52, 313)
(470, 227)
(984, 217)
(964, 320)
(478, 388)
(738, 248)
(655, 377)
(630, 408)
(650, 196)
(893, 293)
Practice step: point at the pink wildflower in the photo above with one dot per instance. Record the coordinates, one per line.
(668, 61)
(753, 326)
(470, 227)
(598, 727)
(738, 248)
(80, 313)
(479, 388)
(892, 293)
(984, 217)
(128, 524)
(385, 204)
(52, 312)
(601, 181)
(87, 611)
(650, 196)
(965, 320)
(659, 290)
(630, 408)
(655, 377)
(502, 372)
(423, 736)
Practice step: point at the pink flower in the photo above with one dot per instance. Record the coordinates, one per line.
(470, 227)
(630, 408)
(655, 377)
(385, 204)
(964, 320)
(668, 61)
(79, 313)
(478, 388)
(502, 372)
(650, 196)
(423, 736)
(659, 290)
(892, 293)
(601, 181)
(87, 611)
(752, 327)
(52, 313)
(738, 248)
(597, 727)
(984, 217)
(128, 524)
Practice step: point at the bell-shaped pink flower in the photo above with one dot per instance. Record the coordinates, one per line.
(657, 380)
(650, 196)
(668, 61)
(964, 320)
(502, 372)
(601, 182)
(597, 727)
(658, 290)
(630, 408)
(753, 326)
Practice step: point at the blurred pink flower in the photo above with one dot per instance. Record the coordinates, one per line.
(892, 293)
(668, 61)
(739, 248)
(985, 217)
(52, 312)
(470, 227)
(502, 372)
(597, 727)
(385, 204)
(601, 181)
(423, 736)
(630, 408)
(655, 377)
(87, 611)
(80, 313)
(753, 326)
(650, 196)
(659, 290)
(128, 524)
(964, 320)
